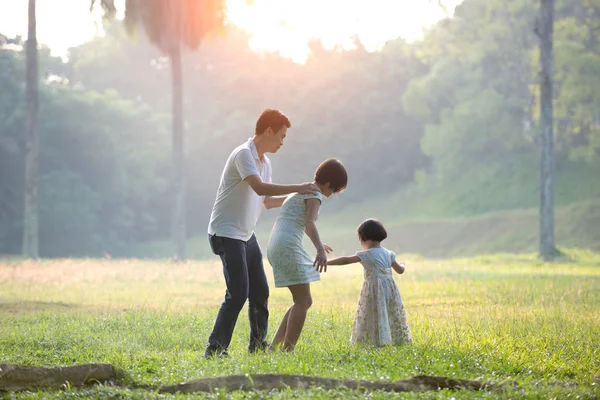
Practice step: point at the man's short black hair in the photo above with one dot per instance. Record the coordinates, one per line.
(273, 119)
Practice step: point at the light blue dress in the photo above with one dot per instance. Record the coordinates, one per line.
(380, 317)
(292, 265)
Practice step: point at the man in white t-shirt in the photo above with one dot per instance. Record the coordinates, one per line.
(244, 189)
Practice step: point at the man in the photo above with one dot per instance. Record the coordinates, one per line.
(244, 189)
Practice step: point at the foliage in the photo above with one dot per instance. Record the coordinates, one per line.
(449, 122)
(101, 156)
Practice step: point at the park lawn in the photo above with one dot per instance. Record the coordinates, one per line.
(501, 317)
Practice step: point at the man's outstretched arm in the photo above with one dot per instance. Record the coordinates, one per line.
(273, 189)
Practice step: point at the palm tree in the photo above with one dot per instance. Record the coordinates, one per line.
(171, 25)
(544, 31)
(30, 213)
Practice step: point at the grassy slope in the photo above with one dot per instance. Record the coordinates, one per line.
(501, 317)
(515, 231)
(577, 225)
(484, 212)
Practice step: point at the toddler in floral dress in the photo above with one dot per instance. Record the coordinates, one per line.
(380, 317)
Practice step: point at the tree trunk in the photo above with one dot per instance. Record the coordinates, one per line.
(178, 225)
(545, 32)
(30, 212)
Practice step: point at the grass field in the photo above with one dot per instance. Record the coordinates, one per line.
(495, 318)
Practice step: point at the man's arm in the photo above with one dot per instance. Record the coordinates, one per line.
(273, 189)
(273, 201)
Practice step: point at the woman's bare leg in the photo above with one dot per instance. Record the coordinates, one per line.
(281, 331)
(297, 314)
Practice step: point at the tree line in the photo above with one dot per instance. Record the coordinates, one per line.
(466, 98)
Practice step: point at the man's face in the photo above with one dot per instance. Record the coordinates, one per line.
(276, 138)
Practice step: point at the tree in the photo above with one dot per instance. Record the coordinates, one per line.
(544, 31)
(170, 25)
(30, 214)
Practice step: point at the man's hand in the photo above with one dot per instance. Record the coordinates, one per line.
(321, 261)
(308, 188)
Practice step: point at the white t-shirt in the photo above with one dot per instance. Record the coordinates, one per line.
(237, 206)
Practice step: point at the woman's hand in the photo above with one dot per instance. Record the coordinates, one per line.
(321, 261)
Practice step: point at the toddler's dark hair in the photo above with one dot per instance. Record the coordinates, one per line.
(371, 229)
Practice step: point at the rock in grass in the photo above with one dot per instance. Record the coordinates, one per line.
(18, 377)
(283, 382)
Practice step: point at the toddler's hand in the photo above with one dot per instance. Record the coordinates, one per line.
(328, 249)
(321, 261)
(399, 267)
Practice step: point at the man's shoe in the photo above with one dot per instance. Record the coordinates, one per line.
(212, 351)
(258, 347)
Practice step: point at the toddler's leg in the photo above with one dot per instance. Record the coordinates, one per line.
(297, 314)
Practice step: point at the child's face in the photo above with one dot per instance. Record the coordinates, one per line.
(326, 190)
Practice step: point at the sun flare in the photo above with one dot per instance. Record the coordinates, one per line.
(287, 26)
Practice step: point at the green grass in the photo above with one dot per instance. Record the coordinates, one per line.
(491, 317)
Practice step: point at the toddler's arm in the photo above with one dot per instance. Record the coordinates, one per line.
(399, 268)
(343, 260)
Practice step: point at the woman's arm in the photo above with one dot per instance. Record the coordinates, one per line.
(312, 211)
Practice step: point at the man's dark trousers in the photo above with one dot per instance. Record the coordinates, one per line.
(245, 279)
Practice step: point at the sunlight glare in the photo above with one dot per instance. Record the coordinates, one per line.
(287, 26)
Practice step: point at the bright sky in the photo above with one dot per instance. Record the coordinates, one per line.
(283, 26)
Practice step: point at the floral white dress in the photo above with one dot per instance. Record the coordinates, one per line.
(380, 317)
(292, 265)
